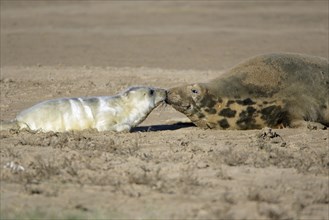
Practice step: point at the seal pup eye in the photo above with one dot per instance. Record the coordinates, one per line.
(194, 91)
(151, 92)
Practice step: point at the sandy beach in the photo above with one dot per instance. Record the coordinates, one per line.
(165, 168)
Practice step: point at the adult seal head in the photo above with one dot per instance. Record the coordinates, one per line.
(105, 113)
(272, 90)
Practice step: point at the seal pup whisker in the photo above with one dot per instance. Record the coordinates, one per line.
(162, 106)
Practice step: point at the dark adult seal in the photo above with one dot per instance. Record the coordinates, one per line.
(272, 90)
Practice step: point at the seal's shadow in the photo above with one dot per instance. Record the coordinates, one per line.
(162, 127)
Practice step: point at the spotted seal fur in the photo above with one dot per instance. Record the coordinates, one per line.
(104, 113)
(271, 90)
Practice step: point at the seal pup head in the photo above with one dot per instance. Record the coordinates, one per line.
(149, 96)
(138, 103)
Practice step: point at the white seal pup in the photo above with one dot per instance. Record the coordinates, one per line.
(104, 113)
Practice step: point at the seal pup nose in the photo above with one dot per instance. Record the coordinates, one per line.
(166, 99)
(165, 93)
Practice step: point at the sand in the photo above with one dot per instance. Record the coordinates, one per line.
(161, 169)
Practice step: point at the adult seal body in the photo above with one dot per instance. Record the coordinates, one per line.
(105, 113)
(272, 90)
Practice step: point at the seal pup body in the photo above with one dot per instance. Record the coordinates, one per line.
(272, 90)
(105, 113)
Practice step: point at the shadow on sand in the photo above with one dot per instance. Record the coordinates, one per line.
(162, 127)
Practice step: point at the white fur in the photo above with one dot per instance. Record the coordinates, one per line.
(116, 113)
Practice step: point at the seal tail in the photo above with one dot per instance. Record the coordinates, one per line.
(8, 125)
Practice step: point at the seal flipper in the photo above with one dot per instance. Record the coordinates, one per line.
(307, 124)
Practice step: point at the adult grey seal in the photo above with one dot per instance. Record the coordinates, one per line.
(271, 90)
(105, 113)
